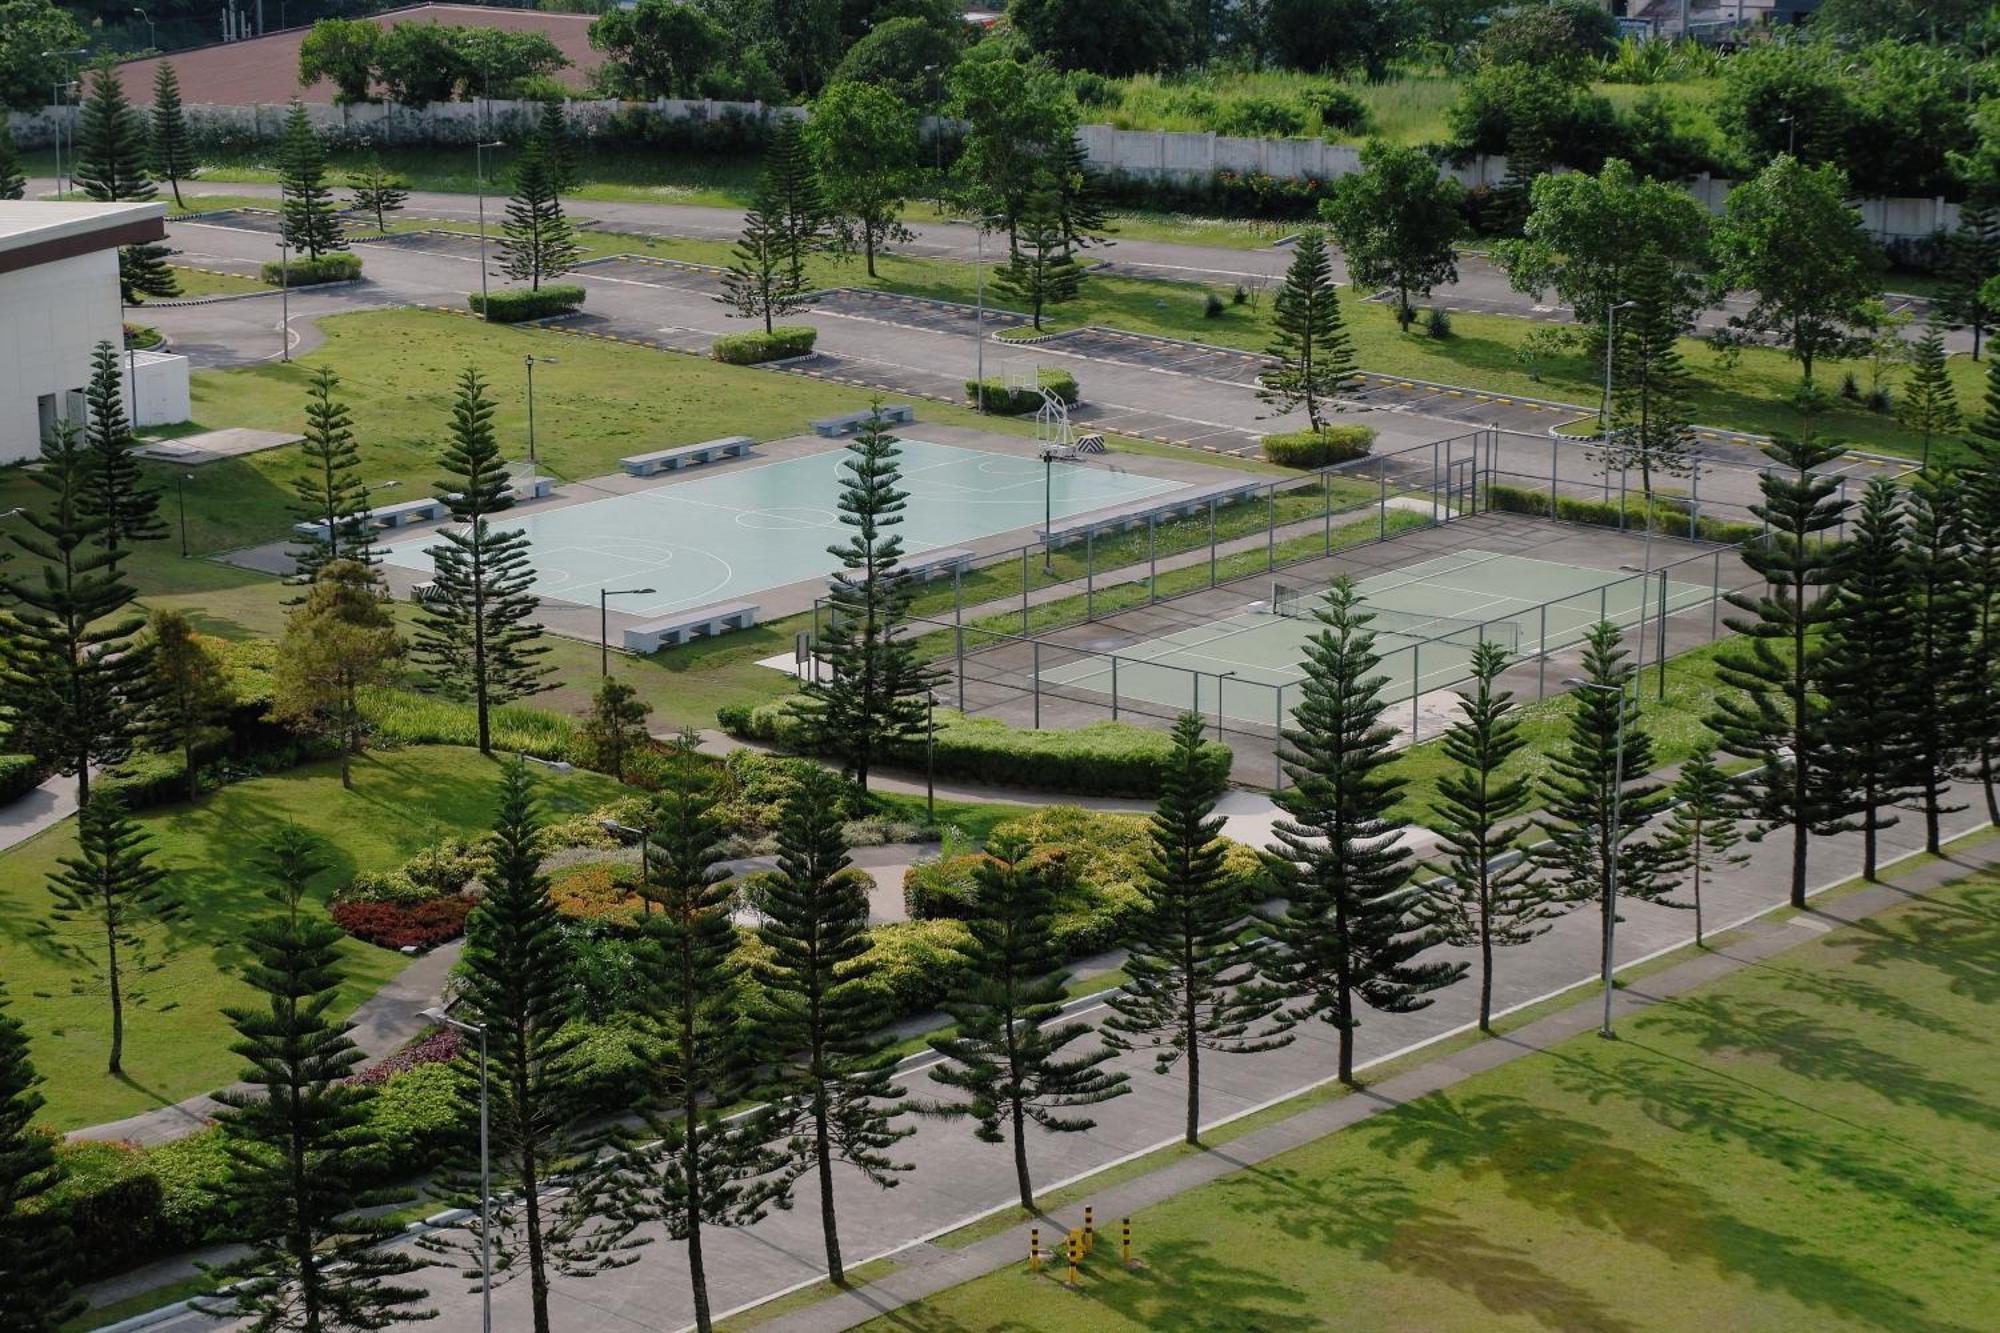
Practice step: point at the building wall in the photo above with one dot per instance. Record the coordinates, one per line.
(158, 392)
(51, 317)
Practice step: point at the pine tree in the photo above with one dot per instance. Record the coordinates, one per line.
(1701, 831)
(1597, 800)
(75, 678)
(307, 221)
(1347, 932)
(792, 185)
(173, 149)
(1928, 405)
(120, 902)
(1082, 217)
(757, 282)
(111, 167)
(1972, 259)
(537, 240)
(1040, 270)
(13, 184)
(1479, 904)
(1652, 414)
(558, 147)
(190, 691)
(706, 1170)
(330, 492)
(832, 1070)
(1005, 1058)
(1982, 513)
(35, 1249)
(117, 495)
(1774, 713)
(1938, 658)
(877, 683)
(517, 990)
(1191, 978)
(339, 639)
(378, 191)
(1312, 358)
(298, 1139)
(615, 727)
(475, 635)
(1865, 678)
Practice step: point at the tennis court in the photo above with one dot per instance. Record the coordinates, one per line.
(1429, 617)
(743, 531)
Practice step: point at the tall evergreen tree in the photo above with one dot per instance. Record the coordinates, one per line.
(1191, 976)
(1597, 799)
(298, 1138)
(1652, 415)
(1040, 270)
(1865, 677)
(537, 241)
(874, 695)
(1351, 929)
(338, 639)
(1701, 831)
(1082, 217)
(1972, 259)
(1929, 405)
(120, 902)
(379, 192)
(190, 691)
(1311, 356)
(330, 493)
(1479, 904)
(117, 496)
(518, 990)
(558, 146)
(792, 186)
(308, 220)
(832, 1072)
(757, 283)
(13, 184)
(1938, 657)
(111, 167)
(476, 636)
(1774, 712)
(74, 676)
(36, 1295)
(1982, 500)
(706, 1170)
(1005, 1058)
(615, 727)
(173, 148)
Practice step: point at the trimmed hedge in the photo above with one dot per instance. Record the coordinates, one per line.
(514, 305)
(1101, 759)
(334, 266)
(1321, 448)
(747, 349)
(1669, 515)
(1000, 400)
(19, 775)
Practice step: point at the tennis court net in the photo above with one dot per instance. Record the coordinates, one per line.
(1299, 603)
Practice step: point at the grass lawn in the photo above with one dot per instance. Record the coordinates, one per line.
(209, 282)
(1806, 1144)
(176, 1041)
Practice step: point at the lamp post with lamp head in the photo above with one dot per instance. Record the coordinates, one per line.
(1611, 864)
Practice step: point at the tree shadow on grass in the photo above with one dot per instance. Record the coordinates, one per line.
(1860, 995)
(1959, 937)
(1550, 1161)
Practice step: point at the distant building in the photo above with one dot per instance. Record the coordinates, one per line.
(1698, 18)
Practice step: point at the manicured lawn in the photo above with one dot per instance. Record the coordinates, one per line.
(177, 1041)
(1804, 1145)
(209, 282)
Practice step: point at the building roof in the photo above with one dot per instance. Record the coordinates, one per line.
(265, 70)
(31, 227)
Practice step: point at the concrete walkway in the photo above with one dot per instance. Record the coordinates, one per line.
(44, 807)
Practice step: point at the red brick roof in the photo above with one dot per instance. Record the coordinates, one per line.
(266, 69)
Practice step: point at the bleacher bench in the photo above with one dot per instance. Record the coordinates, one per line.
(930, 564)
(705, 622)
(1182, 506)
(407, 512)
(891, 414)
(690, 455)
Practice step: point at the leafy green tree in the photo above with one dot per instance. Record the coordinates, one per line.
(1346, 35)
(1972, 259)
(13, 184)
(1018, 116)
(173, 149)
(1040, 270)
(420, 63)
(1005, 1059)
(1532, 112)
(1113, 38)
(75, 677)
(503, 62)
(1701, 831)
(1652, 412)
(330, 492)
(35, 1291)
(476, 635)
(1191, 976)
(1929, 405)
(338, 641)
(298, 1140)
(1480, 902)
(1774, 711)
(1311, 356)
(36, 38)
(1938, 651)
(343, 52)
(1790, 236)
(615, 727)
(706, 1170)
(908, 56)
(112, 153)
(537, 241)
(1787, 100)
(1397, 222)
(1565, 34)
(307, 218)
(1866, 683)
(863, 143)
(190, 691)
(120, 902)
(833, 1076)
(117, 493)
(1349, 930)
(379, 191)
(874, 694)
(658, 48)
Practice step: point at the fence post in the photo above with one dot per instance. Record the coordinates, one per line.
(1197, 692)
(1694, 504)
(1624, 480)
(1382, 500)
(1114, 687)
(1715, 602)
(1435, 520)
(1326, 499)
(1277, 741)
(1024, 590)
(1542, 658)
(1843, 508)
(1555, 463)
(1271, 531)
(1152, 558)
(961, 668)
(1090, 573)
(1037, 668)
(1416, 686)
(1663, 634)
(1211, 541)
(1604, 603)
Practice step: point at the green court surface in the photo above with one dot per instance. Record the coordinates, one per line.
(1428, 619)
(746, 530)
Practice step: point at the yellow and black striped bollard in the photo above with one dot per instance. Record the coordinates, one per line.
(1075, 1257)
(1034, 1249)
(1089, 1231)
(1126, 1241)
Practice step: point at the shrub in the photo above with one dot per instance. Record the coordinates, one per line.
(445, 867)
(597, 893)
(747, 349)
(417, 1119)
(440, 1045)
(381, 886)
(515, 305)
(1261, 118)
(1322, 448)
(1437, 322)
(19, 775)
(1850, 388)
(1339, 109)
(604, 964)
(196, 1203)
(394, 926)
(145, 780)
(1211, 306)
(1241, 296)
(110, 1203)
(919, 963)
(335, 266)
(1670, 517)
(1001, 400)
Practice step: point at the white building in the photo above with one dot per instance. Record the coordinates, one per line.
(58, 300)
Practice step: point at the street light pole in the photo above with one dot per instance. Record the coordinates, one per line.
(930, 756)
(604, 596)
(1611, 842)
(1219, 688)
(180, 498)
(979, 305)
(284, 300)
(1048, 511)
(479, 172)
(153, 28)
(485, 1171)
(1610, 349)
(529, 361)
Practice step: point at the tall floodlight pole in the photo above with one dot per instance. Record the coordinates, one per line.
(1611, 841)
(56, 96)
(529, 362)
(479, 173)
(979, 299)
(485, 1171)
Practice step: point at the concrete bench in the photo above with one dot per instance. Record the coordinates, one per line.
(930, 564)
(671, 460)
(1124, 520)
(385, 516)
(891, 413)
(705, 622)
